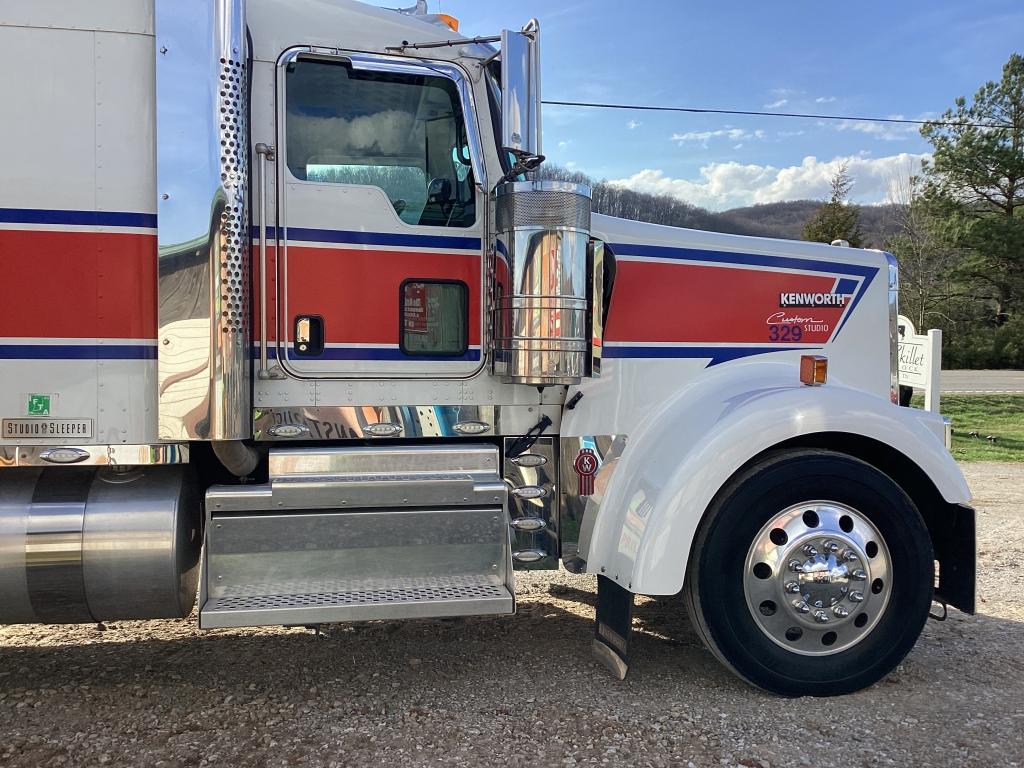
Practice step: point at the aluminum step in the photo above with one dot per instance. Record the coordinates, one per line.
(350, 534)
(337, 601)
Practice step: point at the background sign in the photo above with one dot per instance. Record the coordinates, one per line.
(920, 363)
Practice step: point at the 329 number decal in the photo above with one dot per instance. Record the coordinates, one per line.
(785, 333)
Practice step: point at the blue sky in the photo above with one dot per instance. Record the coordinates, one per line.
(884, 58)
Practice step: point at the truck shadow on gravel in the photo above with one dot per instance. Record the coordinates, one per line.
(519, 685)
(546, 647)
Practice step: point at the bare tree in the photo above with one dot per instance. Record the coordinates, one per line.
(924, 256)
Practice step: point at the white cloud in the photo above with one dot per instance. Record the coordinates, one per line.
(776, 104)
(727, 185)
(881, 131)
(565, 143)
(733, 134)
(633, 124)
(824, 99)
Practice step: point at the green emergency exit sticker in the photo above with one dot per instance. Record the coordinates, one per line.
(38, 405)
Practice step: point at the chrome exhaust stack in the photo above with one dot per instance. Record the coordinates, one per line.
(202, 82)
(541, 282)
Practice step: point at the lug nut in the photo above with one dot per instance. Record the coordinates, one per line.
(792, 588)
(857, 597)
(841, 611)
(810, 551)
(830, 546)
(821, 617)
(859, 575)
(796, 566)
(801, 607)
(850, 556)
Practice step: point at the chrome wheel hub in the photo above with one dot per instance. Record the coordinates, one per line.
(817, 578)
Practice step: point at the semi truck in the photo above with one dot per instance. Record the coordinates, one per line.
(292, 333)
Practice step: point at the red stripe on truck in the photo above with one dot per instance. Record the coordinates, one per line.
(78, 284)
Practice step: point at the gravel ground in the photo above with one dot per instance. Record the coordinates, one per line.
(517, 691)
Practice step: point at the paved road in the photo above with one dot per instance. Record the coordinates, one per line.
(982, 382)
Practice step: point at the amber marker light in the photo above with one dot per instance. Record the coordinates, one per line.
(813, 370)
(449, 21)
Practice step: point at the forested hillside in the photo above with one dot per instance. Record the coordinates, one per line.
(785, 220)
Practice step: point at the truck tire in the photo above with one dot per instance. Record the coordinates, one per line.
(812, 574)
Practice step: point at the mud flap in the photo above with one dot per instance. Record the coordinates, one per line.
(613, 626)
(955, 549)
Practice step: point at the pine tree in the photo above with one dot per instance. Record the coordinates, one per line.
(836, 219)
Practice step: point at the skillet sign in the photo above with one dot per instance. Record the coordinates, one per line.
(914, 353)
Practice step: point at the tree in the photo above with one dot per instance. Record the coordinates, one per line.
(836, 219)
(926, 258)
(976, 182)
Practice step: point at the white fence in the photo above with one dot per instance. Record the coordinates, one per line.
(920, 361)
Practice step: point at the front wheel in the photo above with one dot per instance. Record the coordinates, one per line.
(811, 575)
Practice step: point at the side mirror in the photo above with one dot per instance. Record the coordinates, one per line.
(520, 90)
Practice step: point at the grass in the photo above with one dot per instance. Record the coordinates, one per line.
(1001, 416)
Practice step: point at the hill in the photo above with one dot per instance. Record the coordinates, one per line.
(783, 220)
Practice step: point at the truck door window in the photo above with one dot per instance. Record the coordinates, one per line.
(402, 133)
(434, 317)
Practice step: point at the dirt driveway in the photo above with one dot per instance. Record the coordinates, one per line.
(520, 691)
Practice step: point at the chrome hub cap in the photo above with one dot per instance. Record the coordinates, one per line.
(817, 578)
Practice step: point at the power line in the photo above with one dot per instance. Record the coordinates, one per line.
(753, 113)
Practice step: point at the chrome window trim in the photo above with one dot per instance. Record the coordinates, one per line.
(393, 65)
(397, 65)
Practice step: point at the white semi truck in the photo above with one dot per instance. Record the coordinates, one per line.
(288, 323)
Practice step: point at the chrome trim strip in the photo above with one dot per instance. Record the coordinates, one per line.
(202, 81)
(595, 302)
(348, 422)
(96, 455)
(894, 334)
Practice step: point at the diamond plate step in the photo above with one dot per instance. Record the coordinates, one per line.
(325, 602)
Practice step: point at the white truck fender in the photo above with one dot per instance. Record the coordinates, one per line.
(678, 458)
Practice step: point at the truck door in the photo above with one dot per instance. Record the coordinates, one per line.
(380, 270)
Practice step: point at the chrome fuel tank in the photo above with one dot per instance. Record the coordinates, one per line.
(540, 277)
(81, 545)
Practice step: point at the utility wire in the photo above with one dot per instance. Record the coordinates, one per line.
(695, 110)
